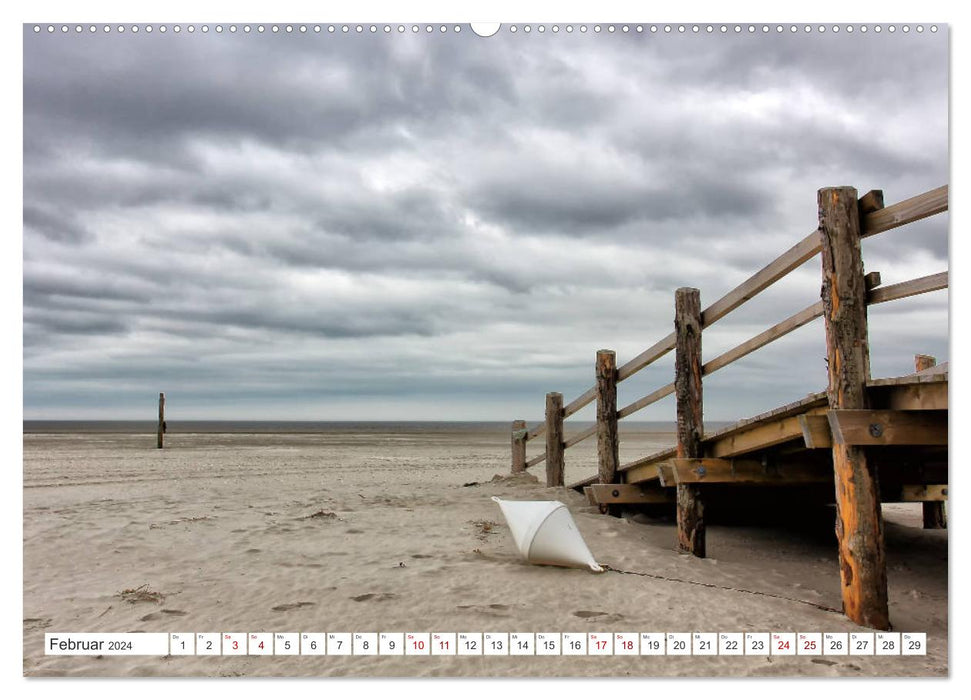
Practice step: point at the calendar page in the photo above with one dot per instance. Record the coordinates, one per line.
(295, 293)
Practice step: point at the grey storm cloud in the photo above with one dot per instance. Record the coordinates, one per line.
(298, 223)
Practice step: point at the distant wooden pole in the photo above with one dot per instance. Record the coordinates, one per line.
(935, 517)
(518, 446)
(688, 393)
(859, 521)
(161, 419)
(554, 439)
(608, 445)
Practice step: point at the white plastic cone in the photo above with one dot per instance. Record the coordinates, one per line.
(545, 533)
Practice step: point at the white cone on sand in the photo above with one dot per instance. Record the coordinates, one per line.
(545, 533)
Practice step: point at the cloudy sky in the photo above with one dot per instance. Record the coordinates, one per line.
(444, 226)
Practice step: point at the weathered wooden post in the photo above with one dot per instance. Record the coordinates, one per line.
(161, 419)
(554, 439)
(688, 393)
(935, 517)
(608, 445)
(518, 446)
(859, 521)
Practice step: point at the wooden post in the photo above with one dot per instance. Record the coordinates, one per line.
(554, 439)
(518, 446)
(608, 445)
(859, 521)
(161, 418)
(688, 393)
(935, 517)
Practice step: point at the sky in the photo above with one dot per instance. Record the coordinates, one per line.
(442, 226)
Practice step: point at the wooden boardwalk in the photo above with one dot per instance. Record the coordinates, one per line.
(859, 443)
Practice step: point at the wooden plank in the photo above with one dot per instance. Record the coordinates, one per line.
(665, 474)
(934, 514)
(809, 404)
(161, 420)
(919, 285)
(579, 402)
(746, 471)
(688, 392)
(536, 460)
(554, 439)
(859, 521)
(518, 439)
(602, 494)
(923, 205)
(581, 436)
(608, 443)
(653, 397)
(923, 492)
(536, 431)
(757, 437)
(815, 431)
(780, 329)
(643, 469)
(882, 427)
(775, 270)
(910, 397)
(872, 280)
(870, 202)
(653, 353)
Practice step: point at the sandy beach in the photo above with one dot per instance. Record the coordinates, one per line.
(396, 532)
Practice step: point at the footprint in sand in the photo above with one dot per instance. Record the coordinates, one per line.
(601, 616)
(37, 623)
(373, 596)
(292, 606)
(421, 556)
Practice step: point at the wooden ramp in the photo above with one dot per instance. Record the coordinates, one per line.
(788, 446)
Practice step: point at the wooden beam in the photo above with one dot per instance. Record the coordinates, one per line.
(870, 202)
(923, 492)
(815, 431)
(518, 446)
(581, 436)
(665, 474)
(536, 431)
(536, 460)
(859, 522)
(919, 285)
(757, 437)
(653, 397)
(765, 337)
(880, 427)
(579, 402)
(554, 439)
(608, 443)
(872, 280)
(653, 353)
(746, 471)
(915, 396)
(688, 392)
(161, 420)
(775, 270)
(600, 494)
(935, 517)
(913, 209)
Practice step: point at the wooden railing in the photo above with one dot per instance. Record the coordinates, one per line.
(874, 218)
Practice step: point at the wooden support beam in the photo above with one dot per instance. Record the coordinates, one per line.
(161, 420)
(881, 427)
(665, 474)
(536, 460)
(518, 446)
(923, 492)
(688, 391)
(746, 471)
(922, 362)
(536, 431)
(815, 431)
(609, 494)
(608, 443)
(757, 437)
(872, 280)
(580, 437)
(918, 395)
(870, 202)
(859, 522)
(554, 439)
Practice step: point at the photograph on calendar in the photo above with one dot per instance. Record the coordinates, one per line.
(485, 350)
